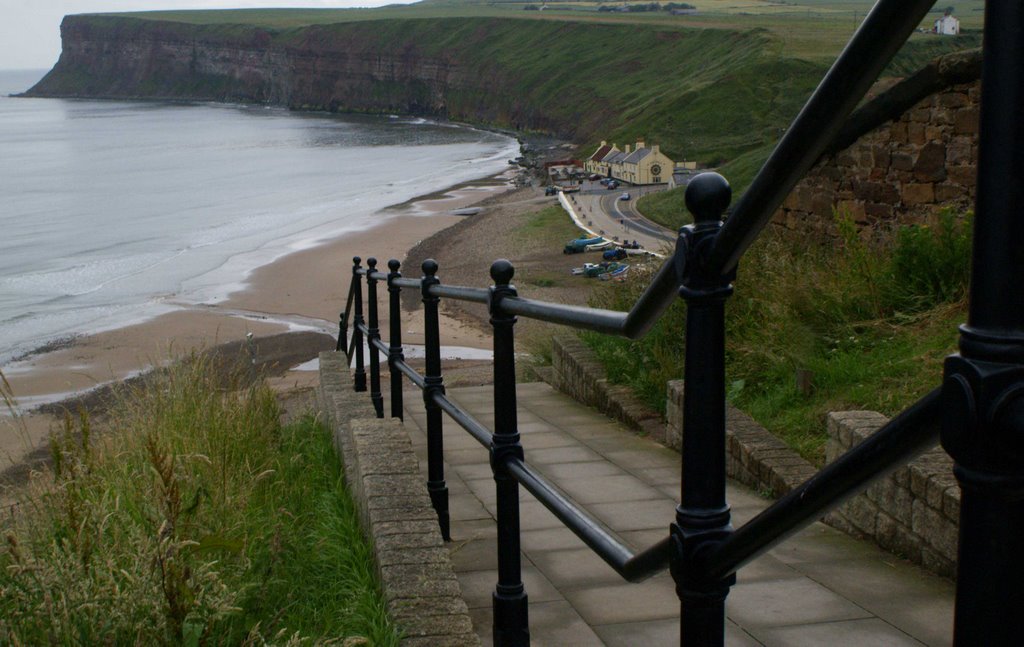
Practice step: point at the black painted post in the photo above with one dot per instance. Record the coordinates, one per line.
(395, 337)
(703, 514)
(342, 345)
(434, 383)
(511, 621)
(373, 334)
(359, 378)
(984, 385)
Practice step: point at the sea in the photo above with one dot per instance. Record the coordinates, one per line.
(113, 212)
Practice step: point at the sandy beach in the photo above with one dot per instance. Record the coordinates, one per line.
(300, 292)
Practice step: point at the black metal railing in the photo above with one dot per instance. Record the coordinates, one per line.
(979, 409)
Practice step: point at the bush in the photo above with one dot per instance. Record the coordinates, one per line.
(931, 265)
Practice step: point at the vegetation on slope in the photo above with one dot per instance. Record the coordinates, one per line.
(196, 519)
(718, 87)
(871, 324)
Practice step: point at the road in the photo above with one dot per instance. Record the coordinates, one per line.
(618, 220)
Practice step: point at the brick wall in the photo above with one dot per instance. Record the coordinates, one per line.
(913, 512)
(917, 153)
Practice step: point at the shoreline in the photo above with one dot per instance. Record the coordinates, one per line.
(303, 291)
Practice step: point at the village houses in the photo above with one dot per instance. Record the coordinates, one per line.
(639, 165)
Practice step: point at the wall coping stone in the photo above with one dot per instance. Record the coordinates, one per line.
(415, 570)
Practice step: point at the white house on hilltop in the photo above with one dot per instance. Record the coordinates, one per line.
(947, 25)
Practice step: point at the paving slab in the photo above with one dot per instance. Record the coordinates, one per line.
(819, 587)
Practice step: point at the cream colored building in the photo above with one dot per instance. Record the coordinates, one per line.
(597, 163)
(640, 165)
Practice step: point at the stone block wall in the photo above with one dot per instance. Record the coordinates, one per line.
(913, 512)
(906, 169)
(753, 456)
(577, 372)
(423, 595)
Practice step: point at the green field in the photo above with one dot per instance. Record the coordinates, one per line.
(812, 30)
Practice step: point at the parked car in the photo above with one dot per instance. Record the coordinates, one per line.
(612, 185)
(550, 190)
(593, 177)
(606, 181)
(624, 196)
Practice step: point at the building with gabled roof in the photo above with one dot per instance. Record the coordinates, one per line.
(640, 165)
(597, 163)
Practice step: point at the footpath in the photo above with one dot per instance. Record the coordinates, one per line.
(820, 587)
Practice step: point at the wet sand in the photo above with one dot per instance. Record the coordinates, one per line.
(305, 290)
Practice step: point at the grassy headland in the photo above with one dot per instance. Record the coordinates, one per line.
(718, 87)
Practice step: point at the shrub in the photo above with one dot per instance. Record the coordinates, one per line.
(931, 265)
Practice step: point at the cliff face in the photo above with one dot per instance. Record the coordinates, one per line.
(128, 58)
(581, 81)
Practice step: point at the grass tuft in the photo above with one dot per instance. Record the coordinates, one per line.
(193, 518)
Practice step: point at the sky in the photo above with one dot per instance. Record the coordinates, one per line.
(30, 29)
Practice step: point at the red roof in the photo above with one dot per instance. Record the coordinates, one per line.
(600, 153)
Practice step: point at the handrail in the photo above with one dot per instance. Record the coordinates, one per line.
(980, 406)
(410, 373)
(458, 292)
(634, 567)
(898, 441)
(884, 30)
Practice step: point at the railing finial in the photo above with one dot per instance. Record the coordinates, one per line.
(707, 197)
(394, 264)
(502, 271)
(356, 260)
(429, 267)
(371, 263)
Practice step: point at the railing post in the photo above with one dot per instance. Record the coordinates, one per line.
(983, 391)
(702, 516)
(359, 379)
(373, 334)
(342, 345)
(511, 620)
(434, 384)
(395, 337)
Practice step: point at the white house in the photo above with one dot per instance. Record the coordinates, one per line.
(947, 25)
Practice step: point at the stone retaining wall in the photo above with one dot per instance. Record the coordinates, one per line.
(577, 372)
(913, 512)
(382, 472)
(920, 155)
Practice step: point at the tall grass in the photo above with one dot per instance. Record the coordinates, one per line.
(193, 518)
(870, 322)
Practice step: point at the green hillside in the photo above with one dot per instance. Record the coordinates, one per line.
(718, 87)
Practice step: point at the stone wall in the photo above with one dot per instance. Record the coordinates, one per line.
(577, 372)
(753, 456)
(382, 473)
(906, 155)
(913, 512)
